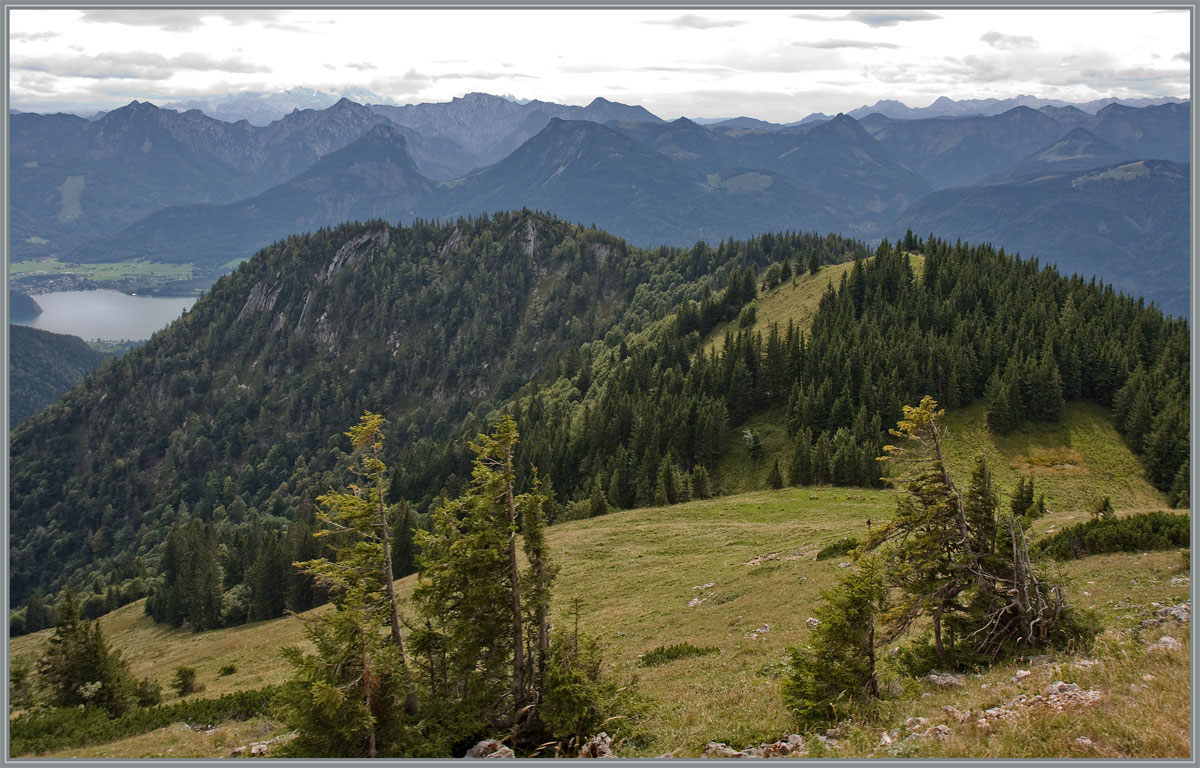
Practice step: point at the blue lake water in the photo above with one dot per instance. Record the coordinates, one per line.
(106, 314)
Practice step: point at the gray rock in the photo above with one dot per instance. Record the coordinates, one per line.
(1060, 687)
(718, 750)
(599, 746)
(1166, 643)
(489, 748)
(945, 680)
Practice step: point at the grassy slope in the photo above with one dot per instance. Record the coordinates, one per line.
(636, 572)
(796, 300)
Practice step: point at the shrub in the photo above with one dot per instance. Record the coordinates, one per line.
(227, 670)
(580, 694)
(148, 693)
(185, 681)
(663, 654)
(1136, 533)
(839, 547)
(67, 727)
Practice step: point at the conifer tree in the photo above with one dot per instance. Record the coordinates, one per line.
(774, 477)
(836, 668)
(348, 698)
(78, 669)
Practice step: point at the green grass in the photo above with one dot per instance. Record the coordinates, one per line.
(796, 300)
(714, 573)
(100, 271)
(1072, 462)
(737, 471)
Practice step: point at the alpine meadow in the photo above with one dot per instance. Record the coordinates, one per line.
(541, 426)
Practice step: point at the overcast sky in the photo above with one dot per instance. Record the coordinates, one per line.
(778, 65)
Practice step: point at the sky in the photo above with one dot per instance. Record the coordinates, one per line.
(779, 65)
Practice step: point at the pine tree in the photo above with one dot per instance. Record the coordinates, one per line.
(836, 668)
(471, 637)
(774, 477)
(78, 669)
(800, 468)
(347, 699)
(984, 601)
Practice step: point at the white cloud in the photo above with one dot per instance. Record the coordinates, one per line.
(1008, 42)
(31, 36)
(693, 21)
(130, 65)
(873, 19)
(177, 21)
(831, 44)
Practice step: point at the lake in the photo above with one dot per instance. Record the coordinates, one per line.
(105, 314)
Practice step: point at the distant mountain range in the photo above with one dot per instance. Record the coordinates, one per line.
(145, 182)
(261, 108)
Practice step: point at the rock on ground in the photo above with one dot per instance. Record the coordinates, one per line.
(598, 746)
(489, 748)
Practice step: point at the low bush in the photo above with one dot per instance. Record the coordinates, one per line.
(839, 547)
(663, 654)
(43, 730)
(185, 681)
(1135, 533)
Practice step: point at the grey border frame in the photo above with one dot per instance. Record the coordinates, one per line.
(1193, 6)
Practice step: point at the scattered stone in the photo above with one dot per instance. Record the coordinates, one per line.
(792, 744)
(1181, 613)
(259, 748)
(833, 733)
(696, 601)
(812, 623)
(1060, 687)
(939, 732)
(945, 680)
(1059, 696)
(1181, 580)
(706, 586)
(760, 559)
(1166, 643)
(599, 746)
(765, 628)
(1083, 741)
(1037, 661)
(1021, 674)
(489, 748)
(718, 749)
(843, 565)
(888, 738)
(953, 713)
(913, 723)
(1084, 663)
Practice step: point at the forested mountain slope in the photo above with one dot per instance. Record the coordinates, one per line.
(214, 438)
(227, 421)
(41, 366)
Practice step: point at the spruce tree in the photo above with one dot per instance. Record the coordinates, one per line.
(836, 668)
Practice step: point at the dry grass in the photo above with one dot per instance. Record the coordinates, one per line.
(176, 741)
